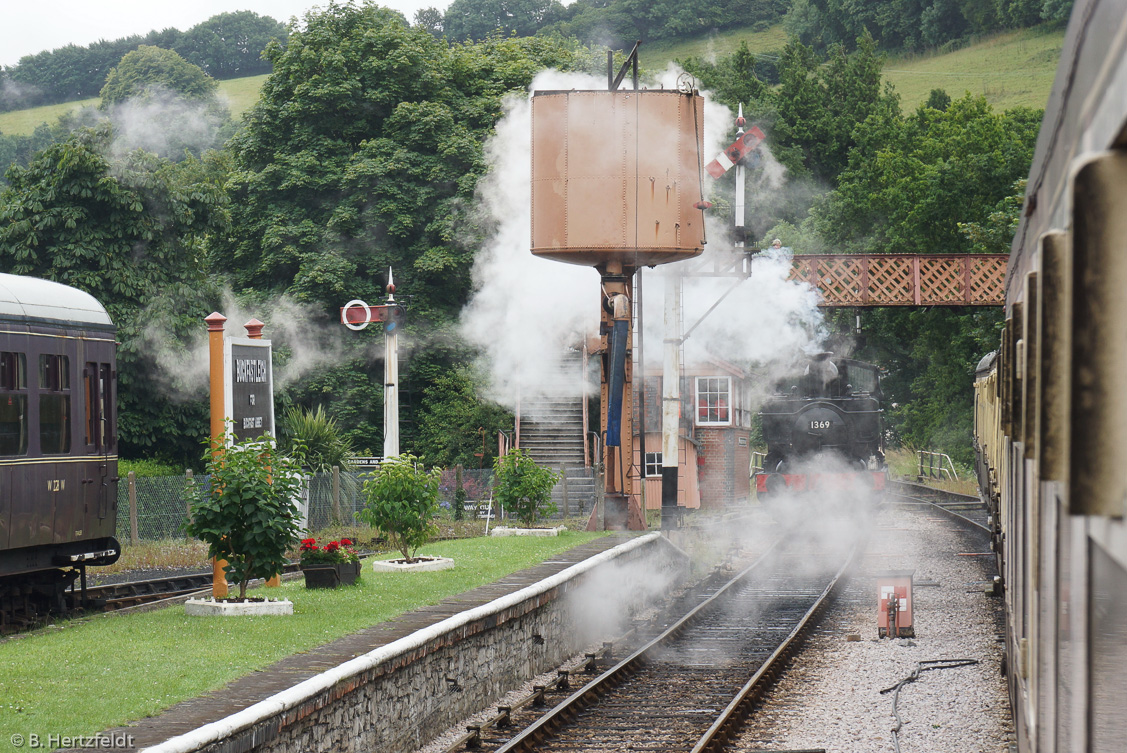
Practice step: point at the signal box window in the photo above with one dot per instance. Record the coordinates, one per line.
(13, 403)
(653, 464)
(54, 404)
(714, 398)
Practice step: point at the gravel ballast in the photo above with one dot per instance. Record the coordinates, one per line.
(830, 696)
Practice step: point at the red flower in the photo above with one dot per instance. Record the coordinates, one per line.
(346, 542)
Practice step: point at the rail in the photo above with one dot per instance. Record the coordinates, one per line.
(643, 668)
(935, 465)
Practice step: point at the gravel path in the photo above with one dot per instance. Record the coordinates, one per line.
(830, 698)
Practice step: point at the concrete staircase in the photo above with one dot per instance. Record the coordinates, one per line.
(552, 432)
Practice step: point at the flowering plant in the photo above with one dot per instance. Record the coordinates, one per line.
(333, 553)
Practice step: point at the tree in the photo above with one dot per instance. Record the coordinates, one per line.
(824, 108)
(523, 488)
(131, 233)
(933, 171)
(247, 513)
(363, 153)
(479, 19)
(402, 500)
(453, 419)
(230, 45)
(147, 70)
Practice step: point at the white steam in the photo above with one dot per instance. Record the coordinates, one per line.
(301, 340)
(165, 124)
(526, 312)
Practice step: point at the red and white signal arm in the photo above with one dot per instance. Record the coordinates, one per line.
(744, 145)
(356, 315)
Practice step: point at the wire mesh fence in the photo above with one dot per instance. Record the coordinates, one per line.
(158, 507)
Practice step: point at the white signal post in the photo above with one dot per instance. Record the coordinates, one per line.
(386, 313)
(391, 379)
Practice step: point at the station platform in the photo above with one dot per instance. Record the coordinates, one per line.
(167, 730)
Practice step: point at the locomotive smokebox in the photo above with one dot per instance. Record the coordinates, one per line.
(616, 176)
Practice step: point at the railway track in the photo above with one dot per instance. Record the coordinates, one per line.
(962, 506)
(689, 687)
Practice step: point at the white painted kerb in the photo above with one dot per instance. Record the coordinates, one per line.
(303, 691)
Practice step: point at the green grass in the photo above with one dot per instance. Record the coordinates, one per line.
(1013, 69)
(86, 675)
(240, 93)
(654, 56)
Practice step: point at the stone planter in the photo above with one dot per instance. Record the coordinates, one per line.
(213, 608)
(424, 564)
(331, 576)
(503, 531)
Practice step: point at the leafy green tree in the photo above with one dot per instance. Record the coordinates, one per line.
(454, 419)
(149, 69)
(733, 79)
(402, 500)
(523, 488)
(230, 45)
(130, 233)
(479, 19)
(995, 234)
(824, 108)
(246, 514)
(935, 170)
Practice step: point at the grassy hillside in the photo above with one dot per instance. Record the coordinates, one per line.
(241, 94)
(1014, 69)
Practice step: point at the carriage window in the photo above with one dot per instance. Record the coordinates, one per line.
(713, 400)
(13, 404)
(99, 413)
(54, 404)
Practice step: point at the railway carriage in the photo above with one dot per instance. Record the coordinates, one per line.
(1051, 408)
(58, 443)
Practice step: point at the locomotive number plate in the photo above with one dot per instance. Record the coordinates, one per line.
(821, 424)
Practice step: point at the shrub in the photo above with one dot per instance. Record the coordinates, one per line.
(247, 516)
(523, 488)
(324, 442)
(401, 500)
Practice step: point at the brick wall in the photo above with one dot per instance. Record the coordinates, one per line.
(723, 466)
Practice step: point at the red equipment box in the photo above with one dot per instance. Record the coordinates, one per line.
(894, 604)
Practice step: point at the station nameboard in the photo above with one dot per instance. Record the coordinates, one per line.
(249, 387)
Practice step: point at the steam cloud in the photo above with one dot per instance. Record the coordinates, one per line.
(525, 310)
(301, 341)
(165, 124)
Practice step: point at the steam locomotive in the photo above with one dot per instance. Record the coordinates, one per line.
(823, 428)
(58, 444)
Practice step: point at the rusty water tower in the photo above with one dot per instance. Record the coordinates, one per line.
(616, 185)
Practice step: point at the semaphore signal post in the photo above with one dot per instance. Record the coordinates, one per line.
(356, 315)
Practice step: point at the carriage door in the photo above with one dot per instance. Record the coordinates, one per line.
(98, 429)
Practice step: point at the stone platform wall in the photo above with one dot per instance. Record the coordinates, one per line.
(397, 697)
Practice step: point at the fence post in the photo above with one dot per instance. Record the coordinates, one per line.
(133, 537)
(337, 520)
(567, 503)
(191, 478)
